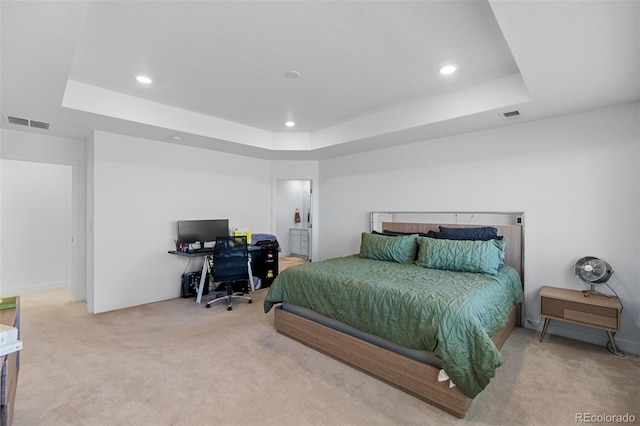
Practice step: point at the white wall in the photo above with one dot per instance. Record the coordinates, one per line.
(46, 149)
(575, 177)
(36, 227)
(140, 189)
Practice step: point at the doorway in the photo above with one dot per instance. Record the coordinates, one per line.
(294, 217)
(36, 241)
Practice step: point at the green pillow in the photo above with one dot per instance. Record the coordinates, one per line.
(400, 249)
(460, 255)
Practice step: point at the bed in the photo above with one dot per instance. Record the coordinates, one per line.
(404, 316)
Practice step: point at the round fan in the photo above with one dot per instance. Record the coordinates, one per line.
(592, 271)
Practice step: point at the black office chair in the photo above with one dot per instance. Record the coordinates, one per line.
(231, 268)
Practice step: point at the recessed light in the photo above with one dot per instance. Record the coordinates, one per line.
(292, 74)
(289, 123)
(143, 79)
(447, 69)
(175, 138)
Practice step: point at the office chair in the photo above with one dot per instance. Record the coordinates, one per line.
(231, 266)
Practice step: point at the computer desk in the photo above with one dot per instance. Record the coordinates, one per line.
(208, 259)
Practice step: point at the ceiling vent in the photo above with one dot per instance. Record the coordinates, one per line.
(18, 121)
(510, 116)
(29, 123)
(39, 124)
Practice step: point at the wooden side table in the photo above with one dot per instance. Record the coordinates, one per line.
(595, 310)
(9, 368)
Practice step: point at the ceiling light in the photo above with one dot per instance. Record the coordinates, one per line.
(447, 69)
(143, 79)
(175, 138)
(289, 123)
(292, 74)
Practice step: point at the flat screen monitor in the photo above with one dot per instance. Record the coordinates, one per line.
(191, 231)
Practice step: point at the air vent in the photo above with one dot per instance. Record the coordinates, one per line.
(18, 121)
(511, 115)
(39, 124)
(29, 123)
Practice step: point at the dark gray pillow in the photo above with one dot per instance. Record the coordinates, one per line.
(480, 233)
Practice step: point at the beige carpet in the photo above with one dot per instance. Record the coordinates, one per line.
(177, 363)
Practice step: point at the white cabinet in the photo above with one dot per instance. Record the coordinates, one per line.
(299, 240)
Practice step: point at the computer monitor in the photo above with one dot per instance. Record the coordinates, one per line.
(191, 231)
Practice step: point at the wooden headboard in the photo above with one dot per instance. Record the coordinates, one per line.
(512, 236)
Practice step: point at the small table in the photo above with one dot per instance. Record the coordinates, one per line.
(595, 310)
(10, 367)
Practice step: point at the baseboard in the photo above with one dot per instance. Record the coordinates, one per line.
(18, 290)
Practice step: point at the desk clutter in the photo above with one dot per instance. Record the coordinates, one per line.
(187, 247)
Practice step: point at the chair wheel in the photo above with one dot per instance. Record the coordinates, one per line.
(208, 306)
(250, 301)
(229, 308)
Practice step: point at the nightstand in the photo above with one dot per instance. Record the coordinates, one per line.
(9, 367)
(595, 310)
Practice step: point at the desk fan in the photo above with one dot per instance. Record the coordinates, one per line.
(592, 271)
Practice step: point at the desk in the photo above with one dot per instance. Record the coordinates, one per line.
(207, 257)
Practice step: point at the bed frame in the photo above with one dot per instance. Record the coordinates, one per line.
(416, 378)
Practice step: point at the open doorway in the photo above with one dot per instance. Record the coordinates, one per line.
(294, 218)
(36, 225)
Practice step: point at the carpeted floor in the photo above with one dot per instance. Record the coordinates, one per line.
(177, 363)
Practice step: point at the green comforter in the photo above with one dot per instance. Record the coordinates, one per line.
(453, 314)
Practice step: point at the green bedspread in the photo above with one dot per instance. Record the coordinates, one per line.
(453, 314)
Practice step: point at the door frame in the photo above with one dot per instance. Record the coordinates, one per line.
(78, 256)
(312, 204)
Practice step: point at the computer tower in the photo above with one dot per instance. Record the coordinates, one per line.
(190, 283)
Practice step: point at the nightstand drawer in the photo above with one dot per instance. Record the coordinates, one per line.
(556, 308)
(591, 319)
